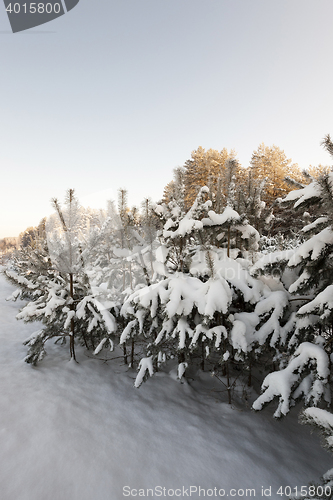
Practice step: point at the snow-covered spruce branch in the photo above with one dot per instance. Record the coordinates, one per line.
(312, 362)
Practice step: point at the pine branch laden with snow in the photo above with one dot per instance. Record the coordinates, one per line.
(178, 296)
(310, 193)
(36, 347)
(272, 263)
(145, 368)
(317, 247)
(312, 362)
(321, 305)
(322, 420)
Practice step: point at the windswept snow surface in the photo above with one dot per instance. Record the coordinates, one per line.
(83, 432)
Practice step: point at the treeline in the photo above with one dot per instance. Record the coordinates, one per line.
(259, 187)
(25, 239)
(8, 244)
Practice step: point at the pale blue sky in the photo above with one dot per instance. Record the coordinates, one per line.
(118, 93)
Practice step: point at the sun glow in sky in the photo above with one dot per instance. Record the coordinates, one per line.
(118, 93)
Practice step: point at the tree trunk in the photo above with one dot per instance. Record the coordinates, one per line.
(125, 354)
(249, 381)
(228, 382)
(228, 250)
(71, 339)
(202, 356)
(181, 357)
(132, 353)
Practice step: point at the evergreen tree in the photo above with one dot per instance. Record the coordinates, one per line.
(193, 310)
(53, 278)
(307, 372)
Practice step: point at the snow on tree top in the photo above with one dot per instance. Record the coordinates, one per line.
(228, 215)
(186, 226)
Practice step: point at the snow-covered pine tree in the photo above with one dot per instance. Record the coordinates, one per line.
(148, 223)
(253, 205)
(54, 280)
(123, 259)
(195, 306)
(307, 373)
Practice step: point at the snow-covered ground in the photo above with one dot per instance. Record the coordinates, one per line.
(82, 432)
